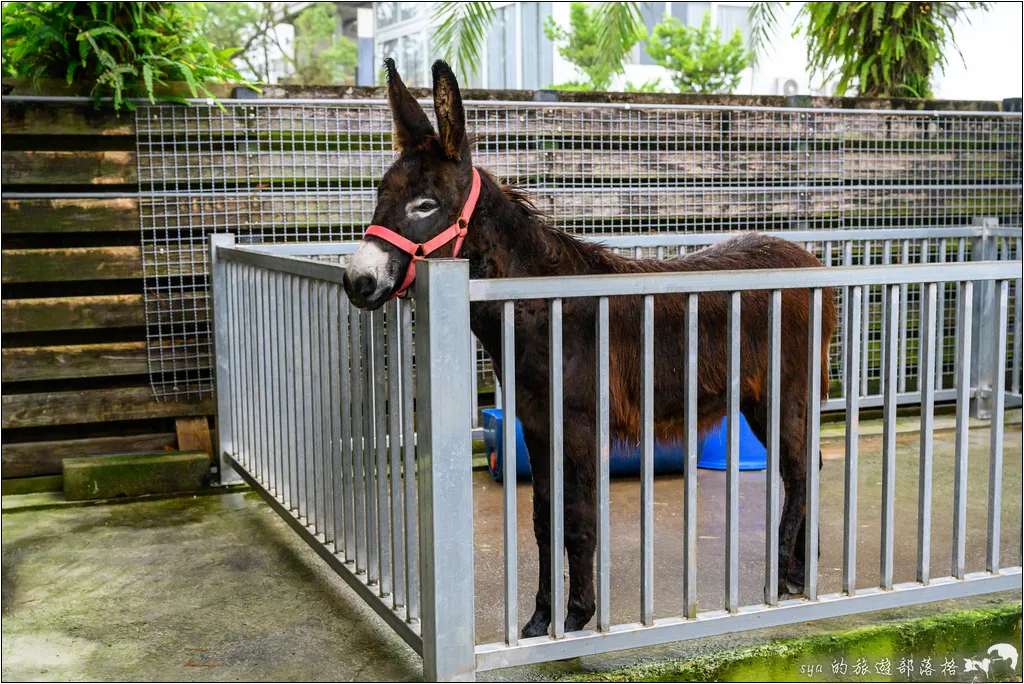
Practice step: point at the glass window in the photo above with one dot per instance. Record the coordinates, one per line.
(536, 48)
(690, 13)
(413, 59)
(732, 18)
(408, 10)
(653, 12)
(386, 13)
(501, 49)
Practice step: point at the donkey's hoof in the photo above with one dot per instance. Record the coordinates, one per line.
(574, 623)
(537, 626)
(794, 588)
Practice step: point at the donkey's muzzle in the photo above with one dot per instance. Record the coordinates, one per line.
(361, 289)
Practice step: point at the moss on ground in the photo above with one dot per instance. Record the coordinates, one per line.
(955, 636)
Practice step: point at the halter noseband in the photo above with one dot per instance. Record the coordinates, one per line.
(456, 231)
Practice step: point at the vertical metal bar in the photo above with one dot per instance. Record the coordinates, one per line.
(940, 318)
(412, 553)
(647, 468)
(690, 454)
(293, 371)
(813, 445)
(732, 474)
(926, 376)
(337, 342)
(270, 397)
(316, 416)
(370, 448)
(771, 517)
(603, 451)
(381, 438)
(865, 339)
(1018, 293)
(359, 445)
(963, 401)
(280, 379)
(445, 462)
(886, 261)
(890, 341)
(223, 370)
(995, 463)
(474, 390)
(556, 473)
(853, 370)
(844, 341)
(234, 281)
(330, 441)
(255, 447)
(904, 301)
(508, 437)
(345, 373)
(394, 334)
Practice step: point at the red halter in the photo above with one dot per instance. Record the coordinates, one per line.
(456, 231)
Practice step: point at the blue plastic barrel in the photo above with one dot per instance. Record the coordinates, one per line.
(624, 459)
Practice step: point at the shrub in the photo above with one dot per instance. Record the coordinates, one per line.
(698, 59)
(581, 46)
(123, 49)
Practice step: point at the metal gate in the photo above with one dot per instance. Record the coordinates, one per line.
(319, 409)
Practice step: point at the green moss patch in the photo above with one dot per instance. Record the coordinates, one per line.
(927, 649)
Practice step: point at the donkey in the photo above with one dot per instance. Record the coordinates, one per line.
(433, 184)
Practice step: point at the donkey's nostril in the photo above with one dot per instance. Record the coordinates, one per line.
(364, 285)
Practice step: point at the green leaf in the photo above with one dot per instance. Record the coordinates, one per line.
(147, 78)
(461, 31)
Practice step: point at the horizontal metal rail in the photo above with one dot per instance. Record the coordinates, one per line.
(713, 623)
(633, 284)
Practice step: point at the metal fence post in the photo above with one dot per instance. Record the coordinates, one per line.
(222, 358)
(444, 453)
(983, 248)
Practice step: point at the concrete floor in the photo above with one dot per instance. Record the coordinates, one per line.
(217, 587)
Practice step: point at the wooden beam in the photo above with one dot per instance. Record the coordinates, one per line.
(29, 459)
(68, 168)
(73, 313)
(99, 311)
(46, 118)
(74, 361)
(94, 406)
(194, 434)
(120, 214)
(71, 263)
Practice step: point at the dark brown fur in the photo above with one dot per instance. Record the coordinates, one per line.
(508, 238)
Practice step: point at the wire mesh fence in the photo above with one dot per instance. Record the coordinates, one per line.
(280, 171)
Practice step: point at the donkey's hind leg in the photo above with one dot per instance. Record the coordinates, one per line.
(580, 521)
(793, 468)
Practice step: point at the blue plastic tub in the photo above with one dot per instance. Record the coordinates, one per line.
(625, 461)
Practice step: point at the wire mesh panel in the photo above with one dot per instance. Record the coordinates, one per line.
(276, 171)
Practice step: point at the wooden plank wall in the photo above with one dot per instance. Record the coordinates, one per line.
(75, 376)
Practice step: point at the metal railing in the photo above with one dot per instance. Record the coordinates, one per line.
(320, 411)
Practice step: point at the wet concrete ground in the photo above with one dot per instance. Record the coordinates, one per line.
(217, 588)
(669, 529)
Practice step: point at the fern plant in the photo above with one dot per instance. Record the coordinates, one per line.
(123, 49)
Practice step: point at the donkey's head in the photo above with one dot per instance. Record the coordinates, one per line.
(422, 197)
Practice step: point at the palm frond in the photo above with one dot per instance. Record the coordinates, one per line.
(762, 24)
(462, 28)
(621, 26)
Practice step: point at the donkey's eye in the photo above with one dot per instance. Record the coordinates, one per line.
(418, 208)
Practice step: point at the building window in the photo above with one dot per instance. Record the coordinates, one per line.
(732, 18)
(501, 49)
(388, 13)
(690, 13)
(536, 48)
(653, 12)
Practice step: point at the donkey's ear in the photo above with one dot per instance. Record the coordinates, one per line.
(412, 127)
(451, 118)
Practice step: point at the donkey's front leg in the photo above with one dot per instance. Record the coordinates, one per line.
(537, 444)
(538, 624)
